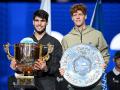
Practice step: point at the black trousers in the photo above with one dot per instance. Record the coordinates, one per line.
(46, 83)
(62, 85)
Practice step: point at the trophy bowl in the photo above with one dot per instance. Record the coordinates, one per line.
(25, 55)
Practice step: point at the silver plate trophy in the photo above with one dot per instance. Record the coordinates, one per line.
(82, 64)
(25, 54)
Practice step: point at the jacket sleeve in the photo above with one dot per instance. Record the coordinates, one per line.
(103, 47)
(64, 45)
(54, 63)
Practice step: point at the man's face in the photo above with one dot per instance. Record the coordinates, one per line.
(39, 24)
(117, 63)
(78, 18)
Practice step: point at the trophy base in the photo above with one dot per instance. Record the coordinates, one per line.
(24, 81)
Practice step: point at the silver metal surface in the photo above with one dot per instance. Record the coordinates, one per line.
(82, 64)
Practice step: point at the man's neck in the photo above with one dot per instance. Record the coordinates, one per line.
(83, 27)
(39, 36)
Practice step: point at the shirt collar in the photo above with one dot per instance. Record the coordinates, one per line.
(116, 72)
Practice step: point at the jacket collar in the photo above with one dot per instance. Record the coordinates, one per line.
(77, 31)
(35, 39)
(116, 72)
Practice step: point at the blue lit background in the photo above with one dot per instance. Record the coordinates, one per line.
(16, 23)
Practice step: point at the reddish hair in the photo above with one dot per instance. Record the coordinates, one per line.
(77, 7)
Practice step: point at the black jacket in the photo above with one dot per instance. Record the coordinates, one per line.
(113, 81)
(47, 80)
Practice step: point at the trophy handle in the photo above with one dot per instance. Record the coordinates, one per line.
(50, 50)
(6, 49)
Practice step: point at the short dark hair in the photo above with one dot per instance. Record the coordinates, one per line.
(117, 55)
(80, 7)
(42, 14)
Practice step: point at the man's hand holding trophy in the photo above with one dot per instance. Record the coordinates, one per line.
(28, 58)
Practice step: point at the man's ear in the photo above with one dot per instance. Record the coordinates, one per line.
(114, 60)
(85, 16)
(47, 23)
(33, 22)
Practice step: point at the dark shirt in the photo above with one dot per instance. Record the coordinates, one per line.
(113, 81)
